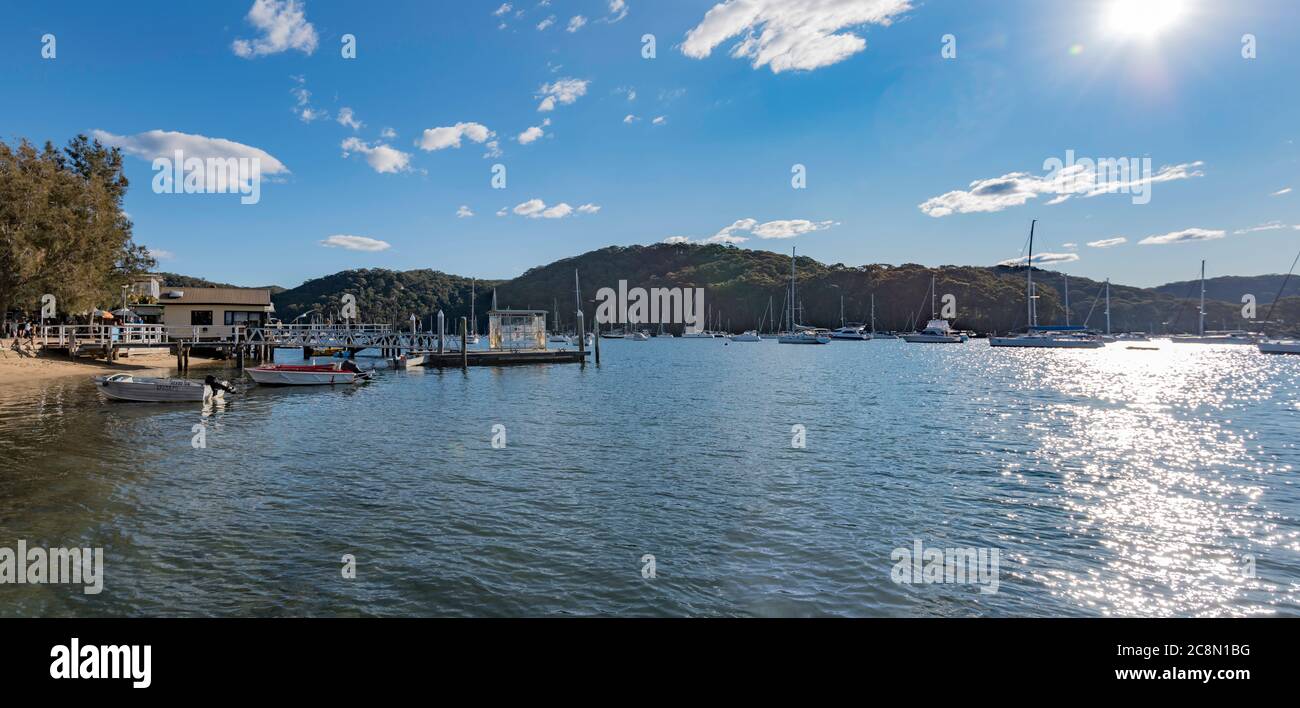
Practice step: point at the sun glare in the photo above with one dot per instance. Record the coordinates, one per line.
(1143, 18)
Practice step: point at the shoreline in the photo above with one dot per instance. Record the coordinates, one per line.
(16, 369)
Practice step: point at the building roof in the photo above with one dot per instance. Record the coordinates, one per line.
(259, 297)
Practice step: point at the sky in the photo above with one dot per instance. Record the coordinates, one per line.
(860, 131)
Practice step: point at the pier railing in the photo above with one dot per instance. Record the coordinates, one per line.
(75, 336)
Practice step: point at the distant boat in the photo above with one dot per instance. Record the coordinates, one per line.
(1280, 346)
(1234, 336)
(314, 375)
(857, 333)
(1061, 337)
(937, 331)
(697, 335)
(874, 334)
(797, 333)
(639, 336)
(409, 361)
(751, 335)
(139, 389)
(554, 338)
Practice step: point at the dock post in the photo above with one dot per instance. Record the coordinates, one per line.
(596, 346)
(464, 343)
(306, 352)
(180, 358)
(442, 332)
(239, 357)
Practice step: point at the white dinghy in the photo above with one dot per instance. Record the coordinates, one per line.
(140, 389)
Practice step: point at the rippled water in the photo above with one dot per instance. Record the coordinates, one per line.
(1112, 482)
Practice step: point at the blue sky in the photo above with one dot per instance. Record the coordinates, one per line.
(857, 91)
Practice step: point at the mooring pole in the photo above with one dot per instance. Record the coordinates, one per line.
(464, 343)
(596, 345)
(442, 333)
(582, 341)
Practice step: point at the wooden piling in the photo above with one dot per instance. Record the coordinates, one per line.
(464, 343)
(596, 346)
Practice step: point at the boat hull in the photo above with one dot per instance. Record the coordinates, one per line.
(1212, 340)
(135, 390)
(933, 339)
(799, 339)
(1045, 343)
(290, 377)
(1279, 347)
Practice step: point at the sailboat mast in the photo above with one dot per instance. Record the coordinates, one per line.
(841, 310)
(473, 320)
(1108, 306)
(873, 313)
(1067, 299)
(794, 254)
(1029, 282)
(934, 314)
(1201, 327)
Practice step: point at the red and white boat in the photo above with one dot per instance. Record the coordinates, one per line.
(344, 372)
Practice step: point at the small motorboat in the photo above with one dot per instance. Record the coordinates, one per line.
(639, 336)
(410, 361)
(345, 372)
(1279, 346)
(750, 335)
(140, 389)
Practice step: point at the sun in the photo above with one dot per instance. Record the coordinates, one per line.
(1143, 18)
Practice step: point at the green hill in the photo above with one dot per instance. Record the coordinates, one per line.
(739, 283)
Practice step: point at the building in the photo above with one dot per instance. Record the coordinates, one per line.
(206, 313)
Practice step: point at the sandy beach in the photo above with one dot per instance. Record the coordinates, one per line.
(18, 369)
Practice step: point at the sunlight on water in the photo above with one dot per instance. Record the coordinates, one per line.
(1113, 482)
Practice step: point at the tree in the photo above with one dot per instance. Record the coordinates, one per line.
(62, 228)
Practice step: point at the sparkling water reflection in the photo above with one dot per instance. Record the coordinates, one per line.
(1114, 482)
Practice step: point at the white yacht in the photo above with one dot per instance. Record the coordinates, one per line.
(1061, 337)
(937, 331)
(857, 333)
(639, 336)
(751, 335)
(1234, 336)
(799, 334)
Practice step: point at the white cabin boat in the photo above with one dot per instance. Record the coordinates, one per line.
(851, 333)
(936, 332)
(749, 336)
(1050, 338)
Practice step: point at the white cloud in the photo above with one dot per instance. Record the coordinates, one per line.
(1016, 188)
(159, 254)
(617, 11)
(742, 230)
(464, 212)
(629, 118)
(493, 149)
(563, 92)
(356, 243)
(302, 98)
(503, 211)
(388, 133)
(1184, 236)
(533, 133)
(1108, 242)
(380, 157)
(1280, 192)
(545, 23)
(346, 118)
(284, 26)
(660, 120)
(784, 36)
(155, 144)
(576, 23)
(537, 209)
(1266, 226)
(1069, 245)
(505, 7)
(1042, 259)
(450, 137)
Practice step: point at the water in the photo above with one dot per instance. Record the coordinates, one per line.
(1112, 482)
